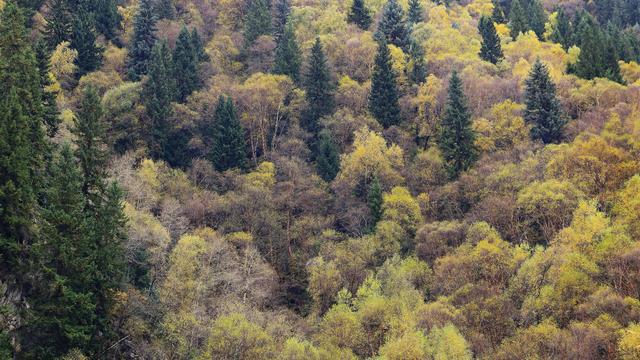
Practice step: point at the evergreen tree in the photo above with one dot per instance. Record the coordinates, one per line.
(497, 14)
(165, 9)
(281, 10)
(383, 99)
(328, 158)
(598, 57)
(417, 67)
(107, 18)
(228, 147)
(319, 89)
(84, 41)
(159, 91)
(360, 15)
(198, 47)
(50, 112)
(562, 32)
(456, 138)
(518, 20)
(185, 61)
(58, 27)
(141, 45)
(288, 57)
(392, 27)
(490, 50)
(414, 14)
(374, 201)
(537, 17)
(543, 109)
(257, 21)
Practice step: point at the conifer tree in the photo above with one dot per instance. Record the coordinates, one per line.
(159, 91)
(50, 111)
(456, 138)
(537, 17)
(327, 158)
(598, 57)
(185, 61)
(58, 27)
(165, 9)
(359, 14)
(374, 202)
(383, 98)
(490, 50)
(518, 20)
(562, 32)
(543, 109)
(414, 14)
(392, 27)
(281, 11)
(257, 22)
(497, 14)
(141, 45)
(288, 57)
(84, 41)
(107, 18)
(319, 89)
(417, 66)
(198, 47)
(228, 147)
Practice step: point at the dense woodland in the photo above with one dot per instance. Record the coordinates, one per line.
(319, 179)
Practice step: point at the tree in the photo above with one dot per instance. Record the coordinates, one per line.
(518, 20)
(107, 18)
(374, 202)
(392, 27)
(257, 22)
(537, 17)
(328, 158)
(282, 9)
(359, 14)
(598, 56)
(414, 14)
(141, 45)
(456, 140)
(319, 89)
(417, 66)
(383, 99)
(185, 62)
(543, 108)
(228, 147)
(288, 58)
(165, 9)
(562, 32)
(58, 26)
(84, 41)
(198, 47)
(490, 50)
(497, 14)
(159, 90)
(50, 112)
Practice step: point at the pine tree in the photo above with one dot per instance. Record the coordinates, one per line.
(50, 112)
(383, 99)
(537, 18)
(497, 15)
(414, 14)
(597, 56)
(417, 67)
(374, 202)
(543, 109)
(563, 32)
(165, 9)
(185, 61)
(319, 89)
(392, 27)
(360, 15)
(58, 27)
(84, 41)
(281, 11)
(141, 45)
(288, 57)
(456, 138)
(257, 21)
(159, 91)
(518, 20)
(228, 147)
(107, 18)
(490, 50)
(327, 158)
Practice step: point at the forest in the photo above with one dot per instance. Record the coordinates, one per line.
(320, 179)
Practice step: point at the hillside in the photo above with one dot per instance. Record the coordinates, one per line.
(320, 179)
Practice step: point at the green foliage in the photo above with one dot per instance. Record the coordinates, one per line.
(518, 19)
(497, 14)
(228, 149)
(598, 56)
(257, 22)
(58, 27)
(415, 12)
(543, 109)
(490, 50)
(107, 18)
(282, 10)
(374, 201)
(359, 14)
(51, 115)
(287, 57)
(563, 31)
(165, 9)
(159, 90)
(392, 27)
(185, 61)
(383, 99)
(234, 337)
(417, 68)
(83, 40)
(319, 88)
(328, 157)
(141, 45)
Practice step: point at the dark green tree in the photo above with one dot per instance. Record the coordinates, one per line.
(59, 21)
(107, 18)
(490, 50)
(392, 27)
(327, 158)
(228, 147)
(417, 68)
(50, 112)
(383, 98)
(319, 89)
(288, 58)
(415, 12)
(281, 11)
(563, 32)
(360, 15)
(198, 46)
(598, 56)
(83, 40)
(141, 45)
(537, 17)
(518, 19)
(165, 9)
(185, 61)
(257, 22)
(497, 15)
(374, 202)
(543, 109)
(159, 90)
(456, 138)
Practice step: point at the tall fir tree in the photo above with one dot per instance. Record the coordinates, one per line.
(542, 107)
(141, 45)
(359, 14)
(319, 89)
(457, 138)
(165, 9)
(327, 158)
(107, 18)
(537, 17)
(598, 57)
(198, 46)
(497, 14)
(159, 90)
(281, 11)
(257, 22)
(288, 57)
(392, 26)
(51, 115)
(518, 20)
(83, 40)
(185, 61)
(490, 50)
(562, 32)
(417, 68)
(374, 202)
(383, 98)
(228, 147)
(59, 23)
(415, 12)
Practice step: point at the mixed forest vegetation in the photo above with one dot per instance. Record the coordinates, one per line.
(319, 179)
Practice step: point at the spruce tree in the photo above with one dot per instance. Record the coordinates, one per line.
(327, 158)
(456, 138)
(497, 14)
(185, 61)
(417, 67)
(288, 57)
(537, 17)
(383, 98)
(165, 9)
(518, 20)
(360, 15)
(50, 111)
(374, 202)
(58, 27)
(414, 14)
(159, 91)
(257, 22)
(392, 27)
(141, 45)
(319, 89)
(198, 47)
(490, 50)
(228, 147)
(281, 11)
(597, 56)
(543, 109)
(84, 41)
(107, 18)
(562, 32)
